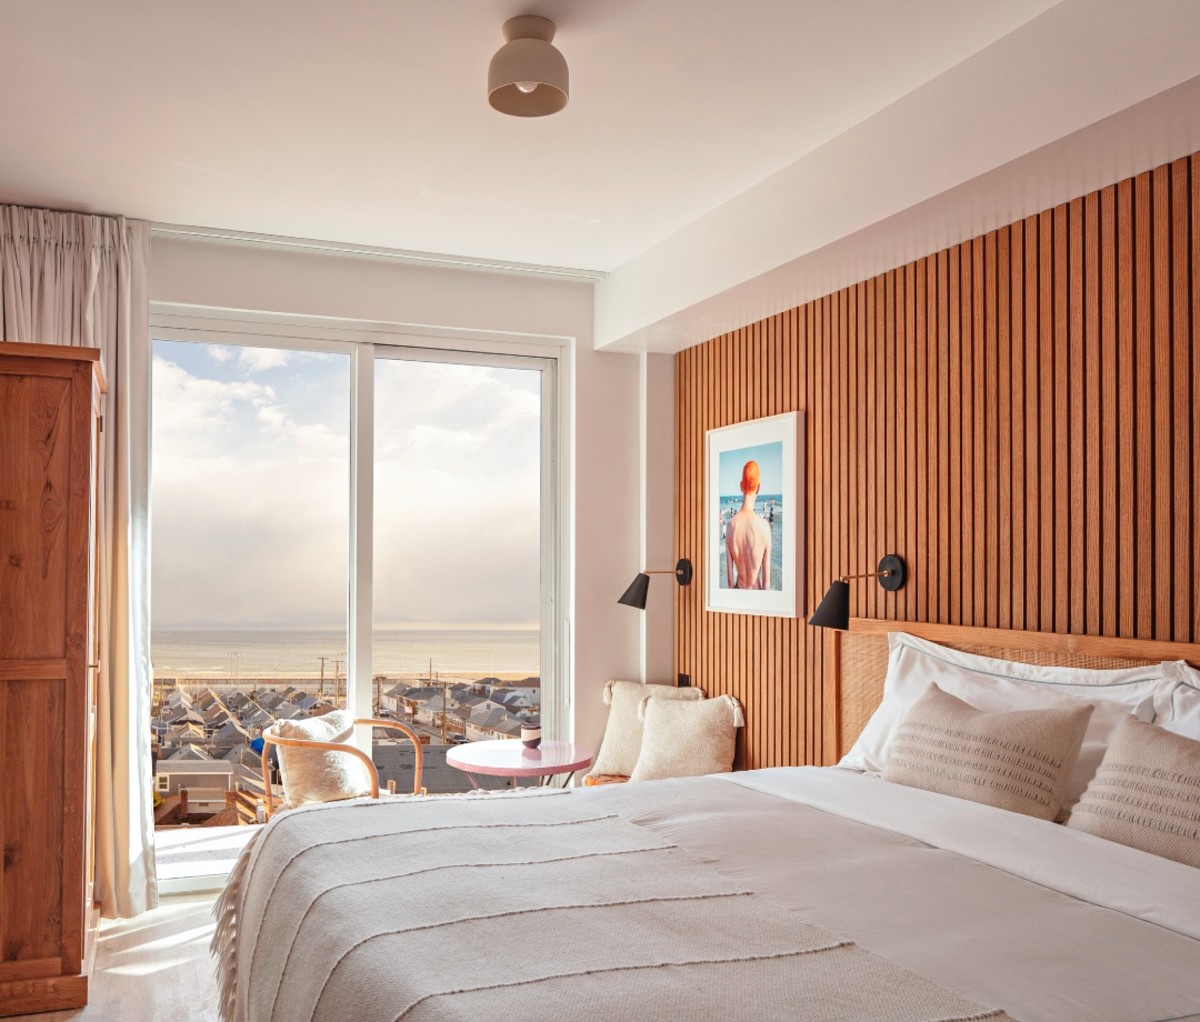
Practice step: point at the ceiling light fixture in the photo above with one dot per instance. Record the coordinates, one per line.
(528, 76)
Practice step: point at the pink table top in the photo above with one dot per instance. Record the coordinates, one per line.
(509, 758)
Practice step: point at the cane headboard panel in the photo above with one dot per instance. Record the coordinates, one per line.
(860, 658)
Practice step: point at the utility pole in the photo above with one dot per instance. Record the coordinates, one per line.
(443, 684)
(321, 691)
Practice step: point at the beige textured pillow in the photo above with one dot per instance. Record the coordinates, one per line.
(1146, 793)
(623, 733)
(685, 739)
(314, 775)
(1018, 760)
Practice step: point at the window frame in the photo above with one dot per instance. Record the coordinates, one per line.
(365, 342)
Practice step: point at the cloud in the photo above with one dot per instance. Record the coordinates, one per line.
(254, 360)
(251, 495)
(260, 359)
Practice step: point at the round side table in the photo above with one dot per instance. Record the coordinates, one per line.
(503, 757)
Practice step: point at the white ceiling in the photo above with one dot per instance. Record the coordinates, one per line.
(366, 121)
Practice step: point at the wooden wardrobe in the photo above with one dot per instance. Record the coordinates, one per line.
(50, 421)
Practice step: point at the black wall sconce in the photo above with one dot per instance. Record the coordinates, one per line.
(635, 595)
(834, 610)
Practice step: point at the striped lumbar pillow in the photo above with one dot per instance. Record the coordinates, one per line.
(1146, 793)
(1018, 760)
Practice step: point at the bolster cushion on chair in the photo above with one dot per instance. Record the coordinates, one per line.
(622, 741)
(685, 739)
(317, 775)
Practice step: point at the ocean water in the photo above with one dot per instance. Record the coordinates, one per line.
(250, 654)
(769, 506)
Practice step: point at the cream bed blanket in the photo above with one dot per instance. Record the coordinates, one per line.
(537, 907)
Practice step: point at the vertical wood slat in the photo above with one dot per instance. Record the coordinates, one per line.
(979, 402)
(1062, 419)
(1160, 304)
(921, 575)
(1194, 293)
(1091, 489)
(909, 433)
(927, 423)
(1001, 348)
(1126, 385)
(940, 437)
(1108, 564)
(1033, 517)
(1013, 342)
(1077, 367)
(1182, 384)
(1144, 353)
(1017, 416)
(989, 396)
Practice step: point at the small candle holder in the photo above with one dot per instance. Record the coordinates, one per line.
(531, 735)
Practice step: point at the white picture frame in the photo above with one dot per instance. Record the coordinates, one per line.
(774, 446)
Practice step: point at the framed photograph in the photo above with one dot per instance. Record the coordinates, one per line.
(753, 518)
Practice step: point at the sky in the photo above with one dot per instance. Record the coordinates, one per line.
(250, 482)
(770, 465)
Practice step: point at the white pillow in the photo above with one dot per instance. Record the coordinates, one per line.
(1177, 709)
(622, 741)
(687, 738)
(994, 685)
(315, 775)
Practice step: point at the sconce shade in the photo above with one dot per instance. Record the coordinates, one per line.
(834, 610)
(528, 77)
(635, 595)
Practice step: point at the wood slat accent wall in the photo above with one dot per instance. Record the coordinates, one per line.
(1017, 416)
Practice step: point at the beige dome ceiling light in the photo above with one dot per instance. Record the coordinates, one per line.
(528, 76)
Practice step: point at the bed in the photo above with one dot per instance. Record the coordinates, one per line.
(787, 893)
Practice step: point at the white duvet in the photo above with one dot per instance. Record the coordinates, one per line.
(1052, 924)
(1007, 912)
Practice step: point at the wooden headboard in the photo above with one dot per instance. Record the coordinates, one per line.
(860, 658)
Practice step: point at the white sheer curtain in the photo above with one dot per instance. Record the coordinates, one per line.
(70, 278)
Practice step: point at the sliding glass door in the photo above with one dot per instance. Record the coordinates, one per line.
(457, 567)
(344, 525)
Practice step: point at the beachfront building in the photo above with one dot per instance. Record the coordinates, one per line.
(488, 721)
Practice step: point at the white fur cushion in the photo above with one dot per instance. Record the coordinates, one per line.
(685, 739)
(623, 734)
(314, 775)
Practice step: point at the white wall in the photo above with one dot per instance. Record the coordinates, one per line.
(604, 523)
(1025, 124)
(658, 514)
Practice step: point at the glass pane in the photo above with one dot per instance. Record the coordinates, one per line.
(250, 527)
(457, 555)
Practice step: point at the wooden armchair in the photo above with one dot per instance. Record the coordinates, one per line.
(271, 738)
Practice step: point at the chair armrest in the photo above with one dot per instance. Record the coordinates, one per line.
(270, 739)
(411, 735)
